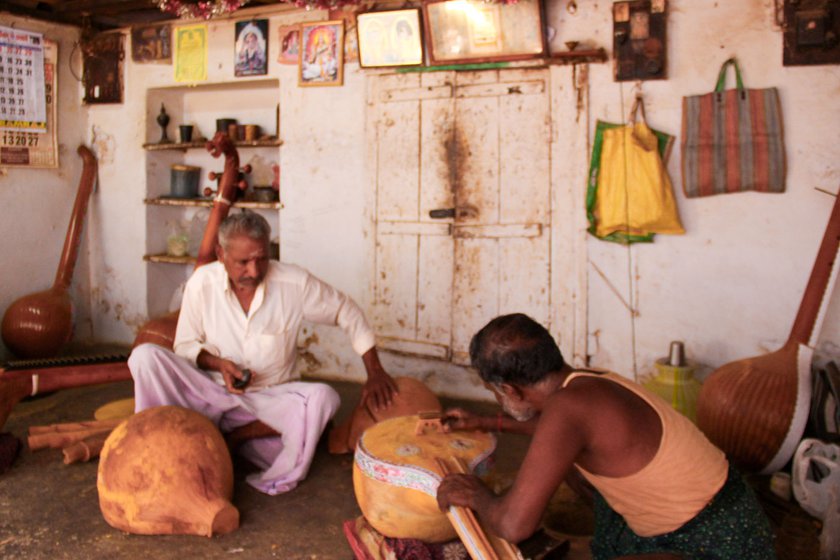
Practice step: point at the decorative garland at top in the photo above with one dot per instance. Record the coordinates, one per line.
(206, 9)
(202, 9)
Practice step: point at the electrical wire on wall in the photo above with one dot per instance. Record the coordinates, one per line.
(631, 301)
(77, 53)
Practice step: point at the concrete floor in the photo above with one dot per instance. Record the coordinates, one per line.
(51, 510)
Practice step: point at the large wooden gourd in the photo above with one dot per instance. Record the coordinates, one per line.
(396, 475)
(412, 397)
(161, 330)
(756, 409)
(164, 471)
(39, 325)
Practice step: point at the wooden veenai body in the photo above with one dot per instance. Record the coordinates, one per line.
(396, 475)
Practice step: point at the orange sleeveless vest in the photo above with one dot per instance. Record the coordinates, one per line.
(681, 479)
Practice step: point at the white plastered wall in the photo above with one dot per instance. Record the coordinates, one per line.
(729, 288)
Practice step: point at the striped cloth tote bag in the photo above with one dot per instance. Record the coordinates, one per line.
(732, 140)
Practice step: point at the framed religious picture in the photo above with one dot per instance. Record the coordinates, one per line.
(289, 44)
(251, 48)
(321, 60)
(351, 45)
(151, 43)
(469, 31)
(391, 38)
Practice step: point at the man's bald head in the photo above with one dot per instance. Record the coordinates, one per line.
(515, 349)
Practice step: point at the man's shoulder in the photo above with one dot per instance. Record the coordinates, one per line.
(286, 273)
(207, 273)
(584, 386)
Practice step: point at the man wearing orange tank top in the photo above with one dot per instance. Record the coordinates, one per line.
(660, 488)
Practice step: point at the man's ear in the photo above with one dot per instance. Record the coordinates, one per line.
(220, 253)
(512, 391)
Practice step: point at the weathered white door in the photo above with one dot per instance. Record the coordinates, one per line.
(462, 205)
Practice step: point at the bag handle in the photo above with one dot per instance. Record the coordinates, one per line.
(638, 107)
(721, 83)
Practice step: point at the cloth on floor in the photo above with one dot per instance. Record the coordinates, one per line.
(368, 544)
(9, 449)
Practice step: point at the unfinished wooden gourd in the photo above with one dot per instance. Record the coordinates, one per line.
(164, 471)
(396, 474)
(412, 397)
(755, 409)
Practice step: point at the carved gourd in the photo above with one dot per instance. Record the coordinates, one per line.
(412, 397)
(164, 471)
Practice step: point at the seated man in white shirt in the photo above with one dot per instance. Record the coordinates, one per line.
(243, 312)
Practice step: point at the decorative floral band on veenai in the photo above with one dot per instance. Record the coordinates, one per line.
(410, 476)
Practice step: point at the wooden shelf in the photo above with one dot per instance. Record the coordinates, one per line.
(208, 203)
(578, 57)
(201, 144)
(169, 259)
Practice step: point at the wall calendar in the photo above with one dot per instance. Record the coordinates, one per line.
(28, 86)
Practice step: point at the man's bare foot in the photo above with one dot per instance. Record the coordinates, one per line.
(253, 430)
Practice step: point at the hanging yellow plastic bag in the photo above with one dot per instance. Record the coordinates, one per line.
(630, 196)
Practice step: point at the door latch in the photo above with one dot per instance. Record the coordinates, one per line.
(461, 212)
(442, 213)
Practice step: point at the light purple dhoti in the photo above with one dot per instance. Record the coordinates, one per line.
(298, 410)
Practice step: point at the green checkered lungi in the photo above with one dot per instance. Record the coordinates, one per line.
(731, 527)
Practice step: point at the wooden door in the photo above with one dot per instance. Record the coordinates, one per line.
(462, 179)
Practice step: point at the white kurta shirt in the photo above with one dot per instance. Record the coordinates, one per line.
(264, 340)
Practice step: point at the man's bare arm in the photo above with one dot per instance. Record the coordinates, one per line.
(380, 387)
(229, 370)
(459, 419)
(557, 441)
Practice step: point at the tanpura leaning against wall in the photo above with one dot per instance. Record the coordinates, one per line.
(755, 409)
(40, 324)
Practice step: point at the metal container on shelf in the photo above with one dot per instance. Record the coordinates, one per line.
(674, 381)
(184, 181)
(223, 125)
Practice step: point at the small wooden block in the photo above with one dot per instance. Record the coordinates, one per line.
(429, 419)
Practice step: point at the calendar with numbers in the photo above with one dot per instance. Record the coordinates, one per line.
(28, 137)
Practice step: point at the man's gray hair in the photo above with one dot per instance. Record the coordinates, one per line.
(249, 224)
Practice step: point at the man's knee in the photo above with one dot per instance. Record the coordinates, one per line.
(143, 358)
(327, 396)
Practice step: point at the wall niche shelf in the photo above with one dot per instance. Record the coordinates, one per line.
(201, 144)
(169, 259)
(208, 203)
(248, 102)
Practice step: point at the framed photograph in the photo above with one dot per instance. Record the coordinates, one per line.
(391, 38)
(321, 60)
(151, 43)
(289, 44)
(469, 31)
(251, 48)
(103, 69)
